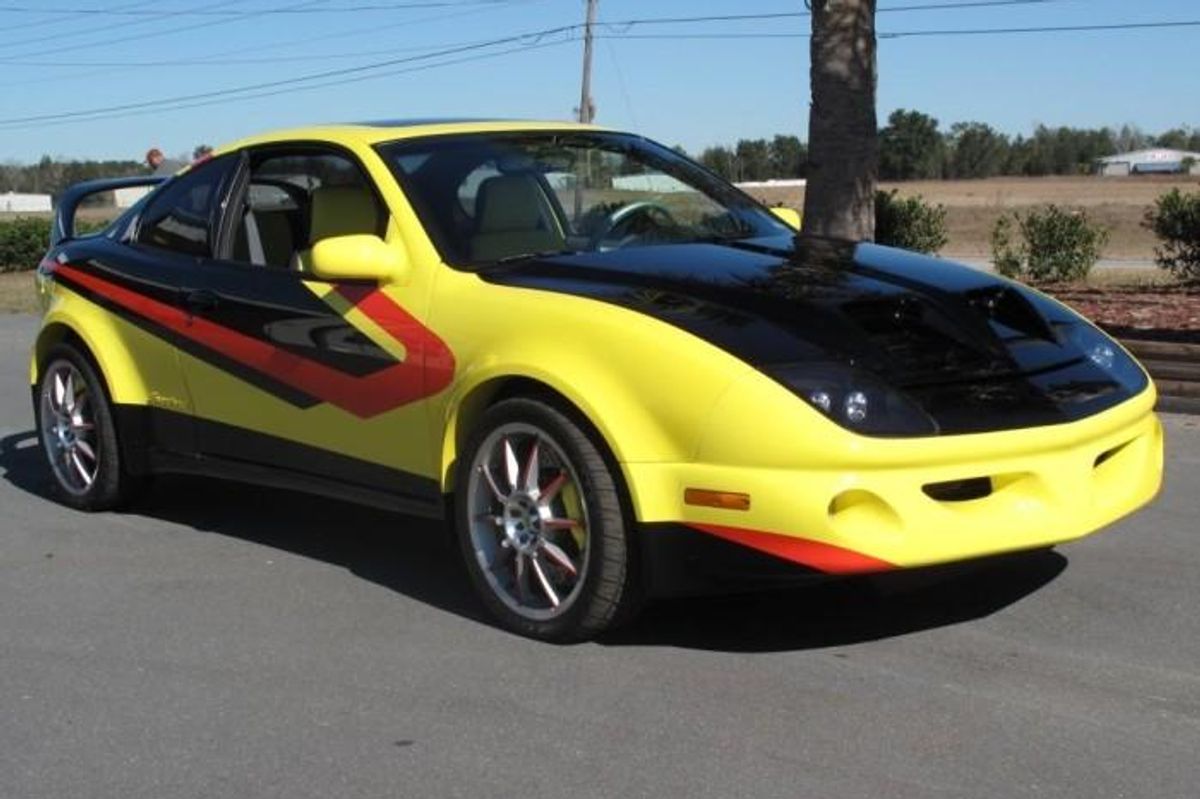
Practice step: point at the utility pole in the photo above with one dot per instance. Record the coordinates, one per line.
(586, 109)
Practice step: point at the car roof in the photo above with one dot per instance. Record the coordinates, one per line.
(392, 130)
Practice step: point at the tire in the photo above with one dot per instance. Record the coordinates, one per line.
(551, 558)
(77, 434)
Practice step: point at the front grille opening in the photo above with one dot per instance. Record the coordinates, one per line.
(1108, 453)
(959, 490)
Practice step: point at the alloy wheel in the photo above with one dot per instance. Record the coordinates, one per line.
(529, 522)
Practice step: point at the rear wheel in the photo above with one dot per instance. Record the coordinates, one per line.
(78, 436)
(541, 524)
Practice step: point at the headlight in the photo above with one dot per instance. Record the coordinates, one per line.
(855, 399)
(1106, 354)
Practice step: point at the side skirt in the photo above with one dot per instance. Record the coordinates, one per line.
(158, 441)
(161, 462)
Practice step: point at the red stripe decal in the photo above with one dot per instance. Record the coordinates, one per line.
(362, 396)
(814, 554)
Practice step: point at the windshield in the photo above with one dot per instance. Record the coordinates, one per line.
(487, 198)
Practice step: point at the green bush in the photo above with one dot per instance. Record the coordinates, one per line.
(23, 242)
(25, 239)
(1047, 244)
(909, 222)
(1175, 219)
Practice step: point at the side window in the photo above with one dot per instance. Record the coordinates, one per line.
(179, 218)
(295, 199)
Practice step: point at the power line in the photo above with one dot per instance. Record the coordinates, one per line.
(128, 11)
(534, 37)
(914, 33)
(527, 39)
(55, 20)
(124, 24)
(220, 57)
(311, 87)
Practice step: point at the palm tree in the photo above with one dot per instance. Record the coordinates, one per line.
(842, 132)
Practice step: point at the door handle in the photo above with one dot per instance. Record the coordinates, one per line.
(201, 300)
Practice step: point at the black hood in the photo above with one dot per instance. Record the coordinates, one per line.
(976, 352)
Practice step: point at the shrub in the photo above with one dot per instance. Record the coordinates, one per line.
(1175, 220)
(909, 222)
(23, 242)
(1048, 244)
(25, 239)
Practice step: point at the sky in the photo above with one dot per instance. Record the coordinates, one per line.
(711, 83)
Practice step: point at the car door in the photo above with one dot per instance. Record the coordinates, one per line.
(145, 276)
(311, 379)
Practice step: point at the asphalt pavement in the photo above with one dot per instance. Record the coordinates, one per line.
(228, 641)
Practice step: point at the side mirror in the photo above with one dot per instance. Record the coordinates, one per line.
(789, 216)
(358, 257)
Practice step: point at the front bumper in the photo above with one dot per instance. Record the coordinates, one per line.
(910, 503)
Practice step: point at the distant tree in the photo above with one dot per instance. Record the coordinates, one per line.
(788, 157)
(910, 147)
(976, 151)
(843, 134)
(720, 160)
(1194, 141)
(753, 159)
(1129, 138)
(1175, 139)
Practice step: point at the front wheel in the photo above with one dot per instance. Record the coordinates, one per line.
(542, 525)
(77, 432)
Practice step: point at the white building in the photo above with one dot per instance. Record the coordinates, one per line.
(125, 198)
(1158, 159)
(24, 203)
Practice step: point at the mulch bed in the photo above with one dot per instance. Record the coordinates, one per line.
(1159, 313)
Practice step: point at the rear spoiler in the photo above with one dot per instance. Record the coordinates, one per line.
(64, 217)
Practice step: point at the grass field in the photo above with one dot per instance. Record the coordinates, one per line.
(972, 206)
(17, 293)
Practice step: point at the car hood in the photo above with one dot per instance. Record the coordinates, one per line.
(960, 341)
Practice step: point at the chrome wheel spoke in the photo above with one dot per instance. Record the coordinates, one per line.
(532, 466)
(556, 555)
(69, 399)
(547, 494)
(520, 577)
(545, 582)
(80, 469)
(58, 397)
(511, 470)
(560, 524)
(85, 449)
(491, 481)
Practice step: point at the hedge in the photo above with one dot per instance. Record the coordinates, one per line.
(25, 239)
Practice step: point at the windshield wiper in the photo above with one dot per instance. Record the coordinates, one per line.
(530, 256)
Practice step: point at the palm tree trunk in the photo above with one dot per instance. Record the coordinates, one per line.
(842, 134)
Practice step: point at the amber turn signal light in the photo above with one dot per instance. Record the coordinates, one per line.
(726, 500)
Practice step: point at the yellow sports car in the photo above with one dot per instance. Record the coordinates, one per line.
(616, 374)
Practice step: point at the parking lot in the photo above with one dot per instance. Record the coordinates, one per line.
(230, 641)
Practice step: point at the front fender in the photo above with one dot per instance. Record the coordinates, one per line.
(646, 386)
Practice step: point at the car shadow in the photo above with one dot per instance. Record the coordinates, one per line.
(843, 612)
(417, 558)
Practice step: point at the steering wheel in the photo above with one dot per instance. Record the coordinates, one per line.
(629, 222)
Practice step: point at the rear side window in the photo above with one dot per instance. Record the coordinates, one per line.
(180, 217)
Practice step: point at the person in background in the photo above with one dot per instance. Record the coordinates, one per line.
(160, 165)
